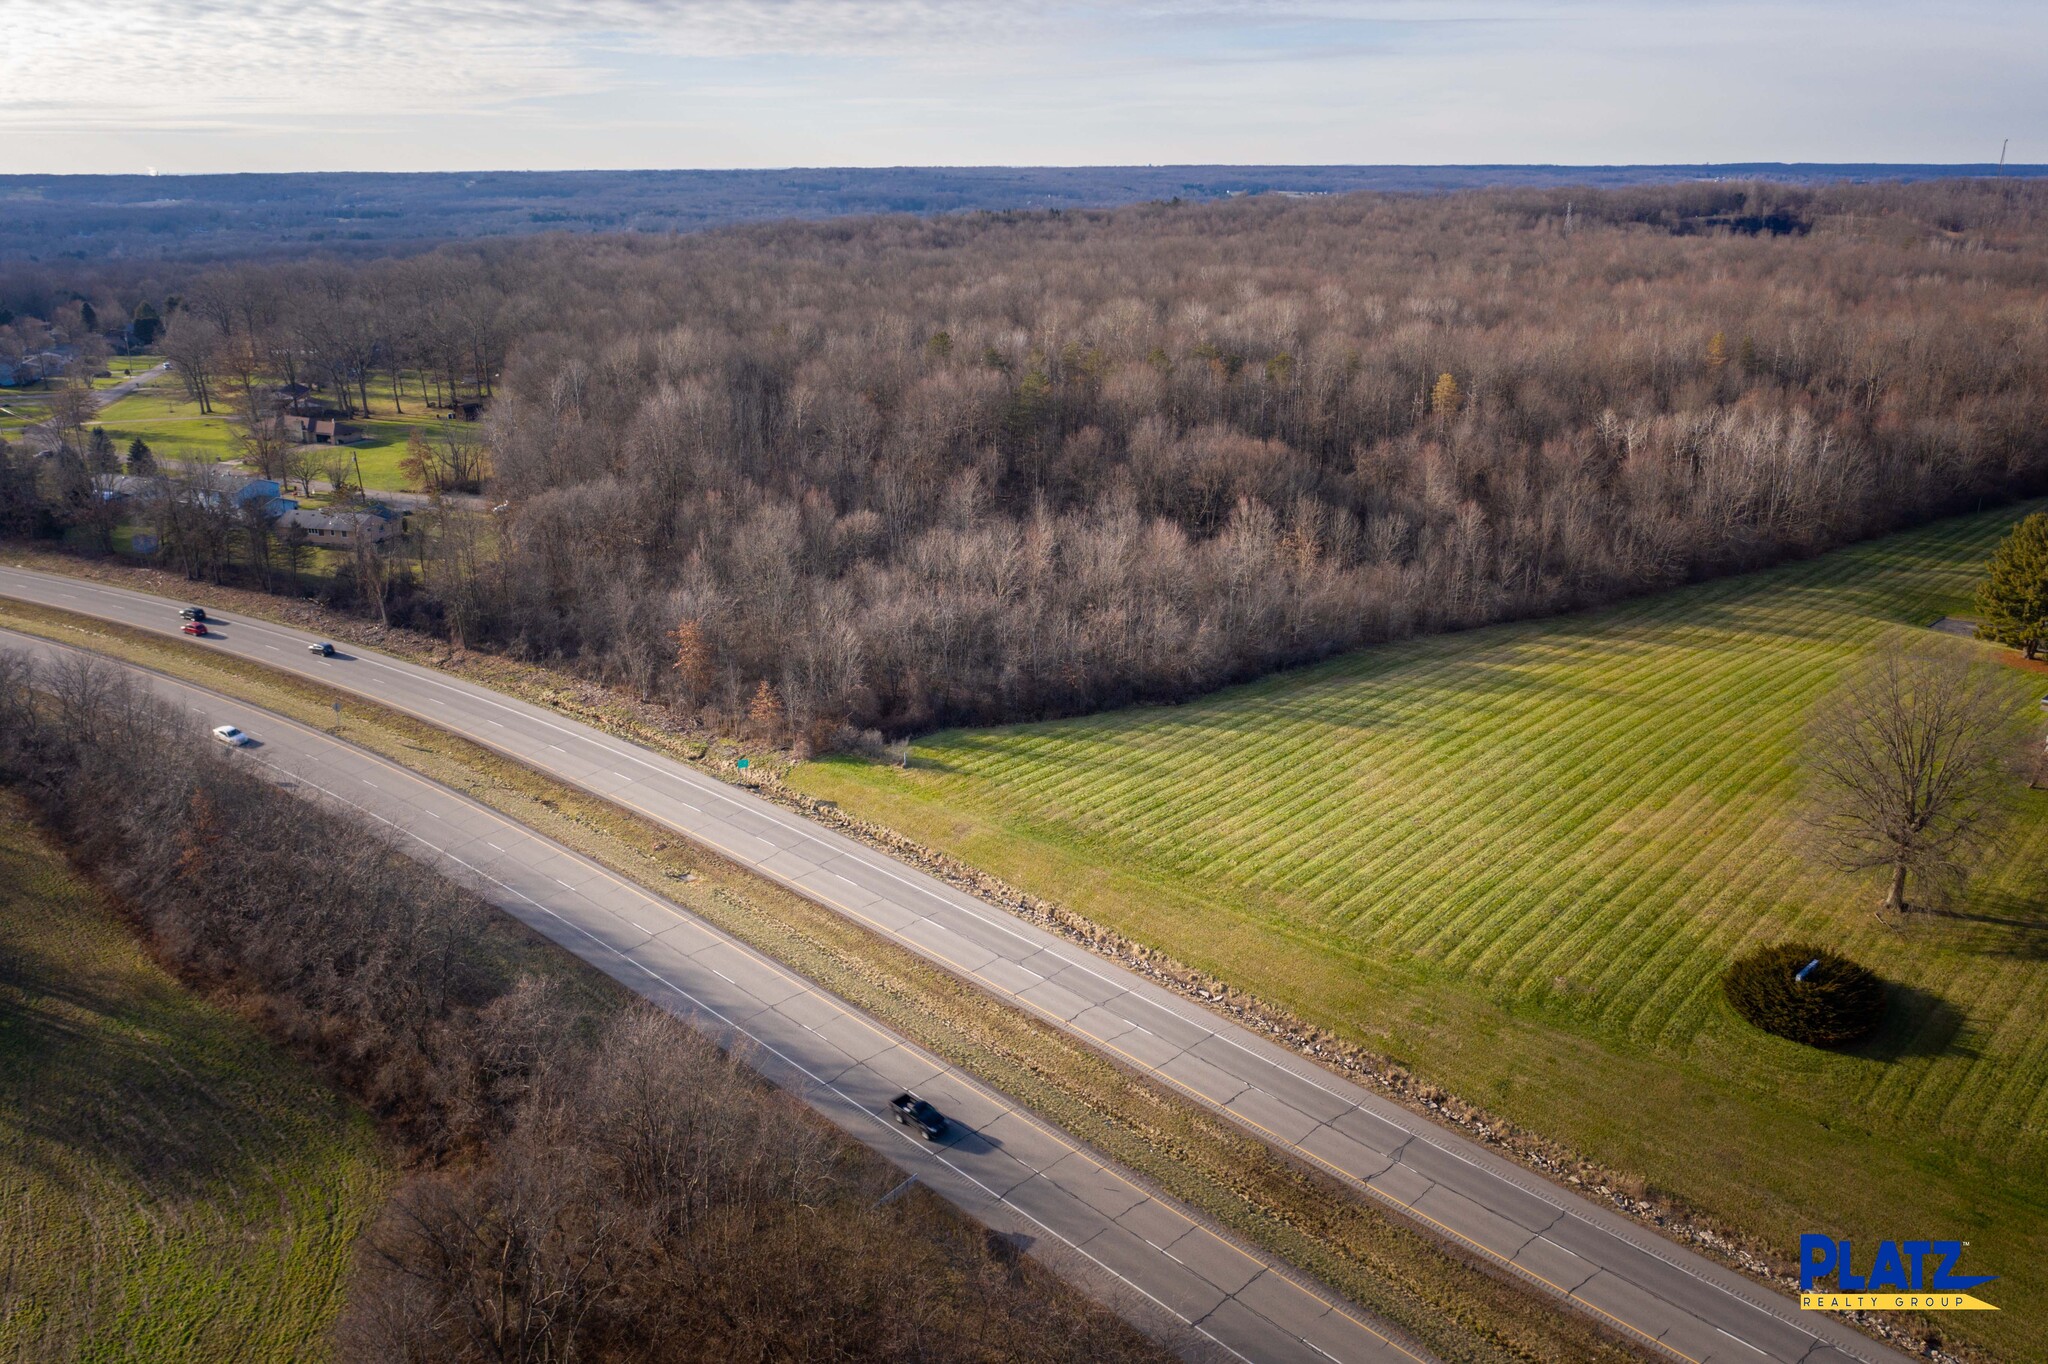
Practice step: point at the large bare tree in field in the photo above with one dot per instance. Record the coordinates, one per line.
(1910, 762)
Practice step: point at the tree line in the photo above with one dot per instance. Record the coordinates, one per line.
(589, 1179)
(898, 473)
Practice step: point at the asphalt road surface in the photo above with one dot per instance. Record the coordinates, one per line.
(1201, 1290)
(111, 394)
(1652, 1289)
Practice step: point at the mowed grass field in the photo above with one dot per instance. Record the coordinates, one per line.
(1517, 859)
(171, 424)
(172, 1187)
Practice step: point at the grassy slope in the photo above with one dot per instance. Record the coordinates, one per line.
(174, 1188)
(1517, 859)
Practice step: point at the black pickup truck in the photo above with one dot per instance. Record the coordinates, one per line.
(917, 1113)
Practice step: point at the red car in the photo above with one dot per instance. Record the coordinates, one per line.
(195, 627)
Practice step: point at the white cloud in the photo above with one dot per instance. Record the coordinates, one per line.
(262, 84)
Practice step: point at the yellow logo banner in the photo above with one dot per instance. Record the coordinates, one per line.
(1892, 1302)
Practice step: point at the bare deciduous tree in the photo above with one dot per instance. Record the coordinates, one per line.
(1155, 452)
(261, 437)
(596, 1181)
(1910, 767)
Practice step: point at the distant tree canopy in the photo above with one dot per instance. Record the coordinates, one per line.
(910, 472)
(2012, 602)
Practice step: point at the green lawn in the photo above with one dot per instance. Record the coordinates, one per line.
(172, 424)
(195, 439)
(174, 427)
(177, 429)
(122, 368)
(174, 430)
(380, 450)
(1516, 859)
(160, 400)
(174, 1188)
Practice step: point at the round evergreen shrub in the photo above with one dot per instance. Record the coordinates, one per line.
(1839, 1001)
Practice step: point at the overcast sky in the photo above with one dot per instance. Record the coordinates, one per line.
(237, 85)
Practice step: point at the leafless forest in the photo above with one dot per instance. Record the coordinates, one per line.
(897, 473)
(589, 1181)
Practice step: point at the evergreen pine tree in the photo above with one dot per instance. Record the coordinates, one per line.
(147, 324)
(2012, 604)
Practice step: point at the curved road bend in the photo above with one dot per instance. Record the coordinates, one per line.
(1206, 1293)
(1655, 1290)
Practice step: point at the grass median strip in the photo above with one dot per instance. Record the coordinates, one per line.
(1457, 1308)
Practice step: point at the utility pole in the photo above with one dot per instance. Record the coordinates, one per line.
(2001, 155)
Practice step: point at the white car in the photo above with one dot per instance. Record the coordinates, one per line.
(232, 737)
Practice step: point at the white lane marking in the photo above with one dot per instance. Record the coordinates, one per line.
(367, 782)
(1162, 1250)
(489, 844)
(819, 1081)
(563, 884)
(641, 929)
(775, 816)
(707, 785)
(723, 976)
(1144, 1030)
(1739, 1340)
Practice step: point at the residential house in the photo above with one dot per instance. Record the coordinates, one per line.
(342, 529)
(315, 429)
(120, 487)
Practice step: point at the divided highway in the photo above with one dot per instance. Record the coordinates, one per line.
(1652, 1289)
(1207, 1293)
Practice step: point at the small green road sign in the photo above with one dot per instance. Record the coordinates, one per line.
(741, 764)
